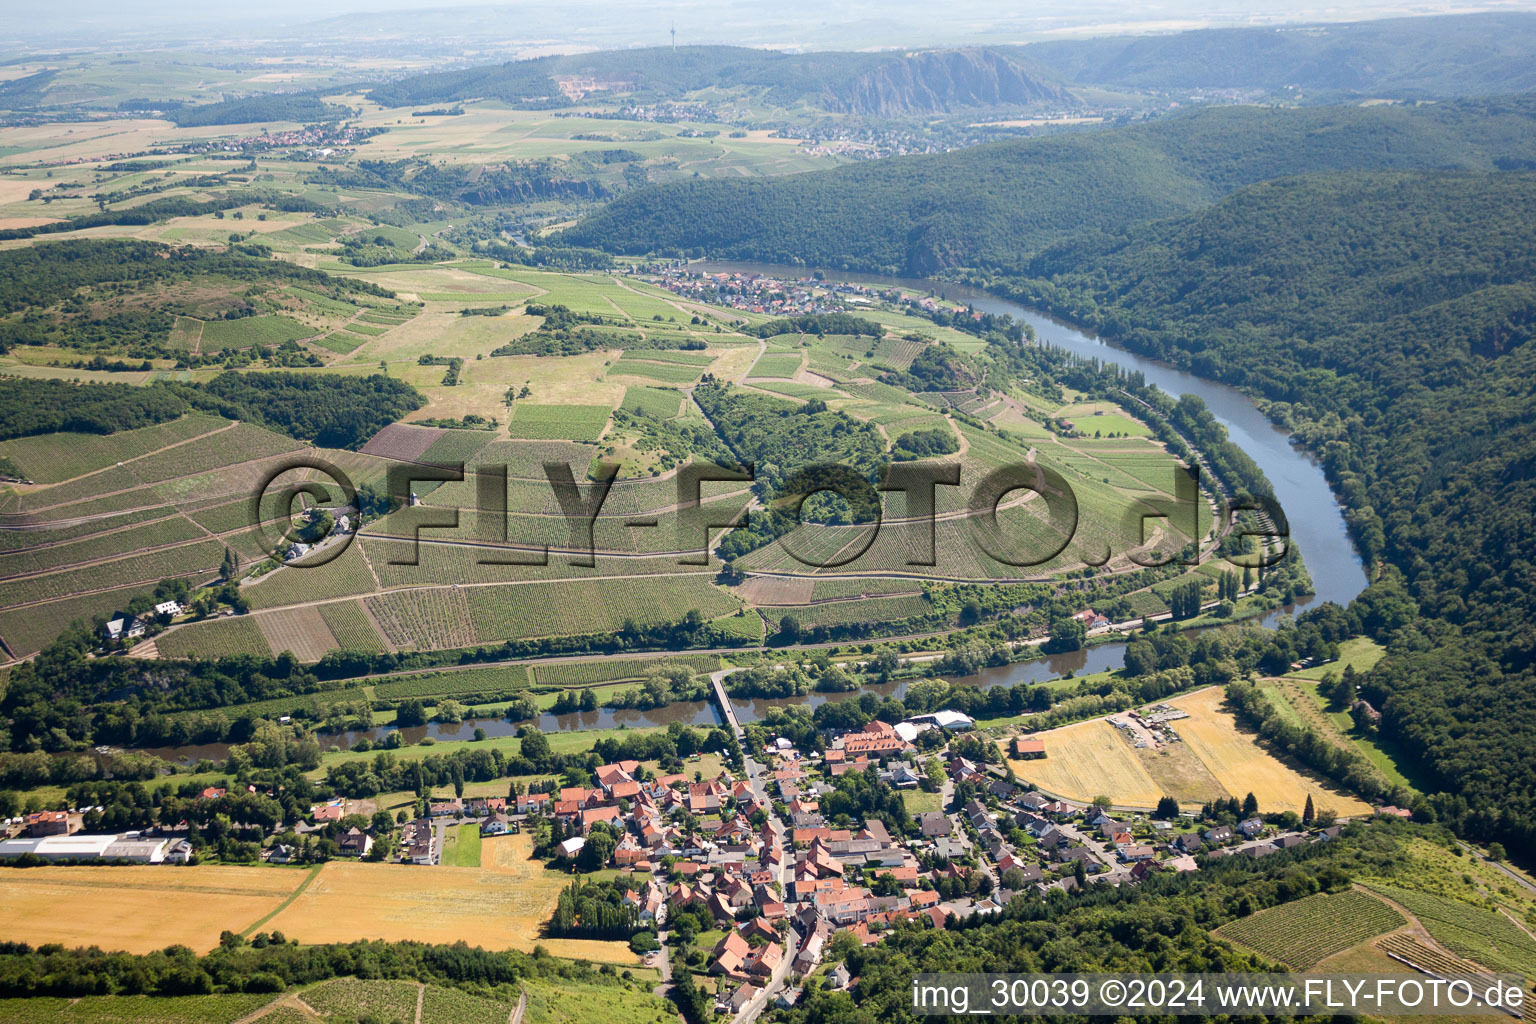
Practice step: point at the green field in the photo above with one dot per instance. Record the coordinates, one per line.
(462, 847)
(558, 422)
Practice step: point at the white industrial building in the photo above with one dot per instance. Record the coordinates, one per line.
(103, 848)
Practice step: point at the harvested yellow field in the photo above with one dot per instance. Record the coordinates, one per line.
(502, 906)
(1090, 759)
(139, 909)
(1243, 767)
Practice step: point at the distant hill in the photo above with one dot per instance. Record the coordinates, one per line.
(887, 84)
(994, 204)
(1452, 55)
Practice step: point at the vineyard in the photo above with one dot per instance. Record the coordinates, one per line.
(663, 355)
(350, 625)
(1486, 936)
(148, 568)
(1301, 933)
(657, 402)
(174, 530)
(776, 364)
(215, 638)
(667, 373)
(240, 443)
(558, 422)
(608, 670)
(27, 630)
(132, 1009)
(597, 606)
(424, 618)
(50, 458)
(302, 630)
(252, 330)
(838, 613)
(450, 1006)
(345, 576)
(470, 682)
(402, 442)
(377, 1000)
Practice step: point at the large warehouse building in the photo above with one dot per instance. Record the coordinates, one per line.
(102, 848)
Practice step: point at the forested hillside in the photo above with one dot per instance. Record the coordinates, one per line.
(1388, 318)
(1456, 55)
(884, 84)
(994, 204)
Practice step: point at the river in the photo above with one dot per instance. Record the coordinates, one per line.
(1315, 517)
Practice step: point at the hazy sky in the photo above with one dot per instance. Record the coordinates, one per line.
(579, 24)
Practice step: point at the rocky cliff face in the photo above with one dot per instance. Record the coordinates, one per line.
(935, 83)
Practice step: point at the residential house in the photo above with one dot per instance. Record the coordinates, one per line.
(355, 843)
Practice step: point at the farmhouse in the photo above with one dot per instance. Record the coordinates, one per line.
(1028, 747)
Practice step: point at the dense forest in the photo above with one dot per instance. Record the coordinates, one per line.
(30, 406)
(994, 205)
(330, 410)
